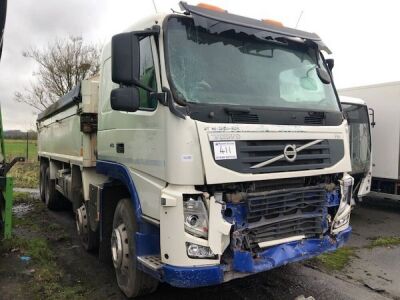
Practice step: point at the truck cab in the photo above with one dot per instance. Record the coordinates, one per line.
(357, 115)
(213, 146)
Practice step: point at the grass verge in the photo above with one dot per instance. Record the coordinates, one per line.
(26, 175)
(35, 238)
(384, 242)
(18, 148)
(337, 260)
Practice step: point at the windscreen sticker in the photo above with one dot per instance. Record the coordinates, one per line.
(225, 150)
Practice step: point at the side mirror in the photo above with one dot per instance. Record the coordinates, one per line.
(372, 114)
(125, 58)
(125, 99)
(323, 76)
(330, 63)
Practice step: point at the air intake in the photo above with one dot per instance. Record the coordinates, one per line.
(244, 118)
(314, 118)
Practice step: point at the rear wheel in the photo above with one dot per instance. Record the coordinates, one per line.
(52, 196)
(131, 281)
(89, 238)
(42, 181)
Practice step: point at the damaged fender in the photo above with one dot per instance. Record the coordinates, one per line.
(219, 229)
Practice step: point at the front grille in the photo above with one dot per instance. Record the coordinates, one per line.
(274, 204)
(285, 213)
(309, 227)
(250, 153)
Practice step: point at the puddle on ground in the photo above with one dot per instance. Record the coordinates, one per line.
(22, 209)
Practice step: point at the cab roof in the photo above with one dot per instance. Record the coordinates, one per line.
(351, 100)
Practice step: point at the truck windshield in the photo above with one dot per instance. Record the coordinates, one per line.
(238, 69)
(360, 137)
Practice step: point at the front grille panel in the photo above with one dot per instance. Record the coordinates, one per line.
(285, 213)
(278, 203)
(250, 153)
(309, 227)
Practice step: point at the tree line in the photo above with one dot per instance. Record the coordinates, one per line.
(60, 66)
(19, 135)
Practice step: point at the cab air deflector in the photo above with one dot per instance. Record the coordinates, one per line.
(217, 22)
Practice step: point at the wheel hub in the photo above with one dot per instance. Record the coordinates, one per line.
(120, 248)
(81, 220)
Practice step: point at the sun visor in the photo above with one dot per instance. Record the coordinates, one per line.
(216, 22)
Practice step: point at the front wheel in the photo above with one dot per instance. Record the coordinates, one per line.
(131, 281)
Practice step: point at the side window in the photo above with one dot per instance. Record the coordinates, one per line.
(106, 86)
(147, 75)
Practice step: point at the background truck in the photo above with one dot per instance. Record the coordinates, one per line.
(211, 147)
(383, 100)
(357, 115)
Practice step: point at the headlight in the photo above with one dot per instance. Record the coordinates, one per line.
(347, 189)
(342, 217)
(197, 251)
(195, 216)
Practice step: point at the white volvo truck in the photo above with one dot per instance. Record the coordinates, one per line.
(211, 147)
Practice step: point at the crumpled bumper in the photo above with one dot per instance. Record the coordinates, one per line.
(243, 261)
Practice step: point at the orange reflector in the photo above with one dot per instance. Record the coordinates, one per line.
(210, 7)
(272, 22)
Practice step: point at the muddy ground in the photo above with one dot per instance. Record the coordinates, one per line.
(45, 261)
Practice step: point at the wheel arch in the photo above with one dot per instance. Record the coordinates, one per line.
(122, 186)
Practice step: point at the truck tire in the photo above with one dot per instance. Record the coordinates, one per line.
(89, 238)
(42, 181)
(52, 197)
(131, 280)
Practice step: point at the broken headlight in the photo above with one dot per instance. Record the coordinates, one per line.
(342, 217)
(195, 216)
(347, 189)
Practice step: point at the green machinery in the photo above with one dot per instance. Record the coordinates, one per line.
(6, 188)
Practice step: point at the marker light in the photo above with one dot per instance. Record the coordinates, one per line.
(272, 22)
(211, 7)
(197, 251)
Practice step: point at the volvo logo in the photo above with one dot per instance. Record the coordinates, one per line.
(290, 153)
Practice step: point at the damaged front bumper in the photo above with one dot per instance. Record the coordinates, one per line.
(244, 263)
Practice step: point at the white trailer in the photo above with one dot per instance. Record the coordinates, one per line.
(211, 147)
(384, 103)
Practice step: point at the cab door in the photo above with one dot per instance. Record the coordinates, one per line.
(136, 139)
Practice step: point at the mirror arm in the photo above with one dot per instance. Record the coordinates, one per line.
(171, 105)
(145, 87)
(154, 30)
(372, 114)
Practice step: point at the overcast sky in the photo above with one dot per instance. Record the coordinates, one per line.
(363, 35)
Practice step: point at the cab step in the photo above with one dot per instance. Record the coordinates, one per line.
(152, 262)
